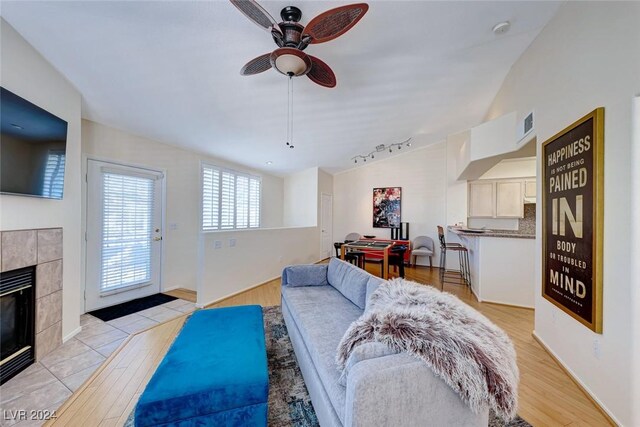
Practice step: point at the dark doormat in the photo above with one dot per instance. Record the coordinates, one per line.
(130, 307)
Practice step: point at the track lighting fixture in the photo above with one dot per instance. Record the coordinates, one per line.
(381, 148)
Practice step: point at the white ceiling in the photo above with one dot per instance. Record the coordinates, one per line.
(170, 71)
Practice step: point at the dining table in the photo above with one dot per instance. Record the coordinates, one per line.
(371, 246)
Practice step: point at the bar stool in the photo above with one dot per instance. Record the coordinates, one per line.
(463, 257)
(396, 257)
(354, 257)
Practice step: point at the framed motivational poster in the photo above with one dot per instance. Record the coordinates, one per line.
(572, 210)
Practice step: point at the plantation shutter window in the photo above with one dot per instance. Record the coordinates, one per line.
(127, 230)
(242, 202)
(210, 196)
(230, 200)
(254, 203)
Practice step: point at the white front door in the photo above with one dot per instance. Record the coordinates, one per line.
(326, 225)
(124, 233)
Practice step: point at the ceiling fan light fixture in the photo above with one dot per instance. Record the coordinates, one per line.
(290, 62)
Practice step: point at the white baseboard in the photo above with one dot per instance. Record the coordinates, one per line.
(577, 380)
(473, 291)
(72, 334)
(509, 304)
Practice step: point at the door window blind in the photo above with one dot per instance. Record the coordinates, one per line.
(230, 200)
(126, 230)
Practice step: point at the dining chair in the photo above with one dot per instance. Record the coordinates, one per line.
(422, 246)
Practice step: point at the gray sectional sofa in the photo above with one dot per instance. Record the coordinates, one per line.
(319, 302)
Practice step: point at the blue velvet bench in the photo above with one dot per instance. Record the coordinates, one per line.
(214, 374)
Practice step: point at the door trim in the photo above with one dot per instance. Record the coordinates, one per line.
(322, 255)
(85, 204)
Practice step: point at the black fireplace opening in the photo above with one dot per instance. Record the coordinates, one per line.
(17, 313)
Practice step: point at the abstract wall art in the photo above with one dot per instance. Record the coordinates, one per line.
(386, 207)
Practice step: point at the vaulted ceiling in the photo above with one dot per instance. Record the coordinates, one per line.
(169, 71)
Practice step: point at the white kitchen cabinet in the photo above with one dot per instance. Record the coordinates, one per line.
(509, 199)
(496, 198)
(530, 189)
(482, 199)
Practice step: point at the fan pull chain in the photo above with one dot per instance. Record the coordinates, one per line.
(291, 82)
(290, 112)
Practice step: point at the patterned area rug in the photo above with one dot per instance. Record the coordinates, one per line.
(289, 401)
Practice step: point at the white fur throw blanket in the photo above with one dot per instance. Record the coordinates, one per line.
(464, 348)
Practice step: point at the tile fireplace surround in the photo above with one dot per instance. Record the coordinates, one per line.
(41, 248)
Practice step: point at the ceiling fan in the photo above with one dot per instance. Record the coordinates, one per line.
(292, 38)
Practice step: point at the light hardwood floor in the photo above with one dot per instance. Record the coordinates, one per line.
(185, 294)
(547, 395)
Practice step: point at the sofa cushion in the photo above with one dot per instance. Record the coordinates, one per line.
(305, 275)
(367, 350)
(322, 315)
(372, 285)
(350, 280)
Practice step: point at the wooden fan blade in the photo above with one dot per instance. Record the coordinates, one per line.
(256, 14)
(321, 73)
(257, 65)
(335, 22)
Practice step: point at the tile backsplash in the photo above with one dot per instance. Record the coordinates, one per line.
(527, 225)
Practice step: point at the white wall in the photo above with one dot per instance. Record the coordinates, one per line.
(422, 174)
(635, 255)
(325, 185)
(183, 196)
(259, 256)
(301, 199)
(512, 168)
(494, 137)
(587, 57)
(26, 73)
(456, 190)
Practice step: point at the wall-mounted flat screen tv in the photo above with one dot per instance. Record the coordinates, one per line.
(33, 145)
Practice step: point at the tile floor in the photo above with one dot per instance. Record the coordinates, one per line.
(47, 384)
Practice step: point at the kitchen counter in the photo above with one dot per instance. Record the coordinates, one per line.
(501, 265)
(492, 233)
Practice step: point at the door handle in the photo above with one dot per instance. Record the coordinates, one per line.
(157, 239)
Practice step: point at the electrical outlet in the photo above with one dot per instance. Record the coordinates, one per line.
(596, 348)
(173, 226)
(232, 243)
(217, 244)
